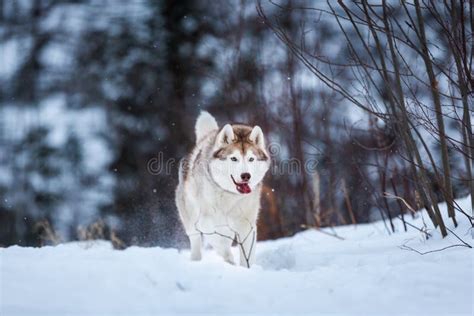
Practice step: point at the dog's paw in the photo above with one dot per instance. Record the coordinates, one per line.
(196, 256)
(229, 258)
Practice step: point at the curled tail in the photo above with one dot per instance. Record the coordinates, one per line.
(205, 124)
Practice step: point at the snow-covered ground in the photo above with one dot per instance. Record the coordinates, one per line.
(312, 273)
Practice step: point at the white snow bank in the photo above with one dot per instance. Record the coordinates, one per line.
(366, 273)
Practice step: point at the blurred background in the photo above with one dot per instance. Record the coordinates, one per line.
(92, 91)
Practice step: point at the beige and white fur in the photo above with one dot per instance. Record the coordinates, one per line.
(212, 195)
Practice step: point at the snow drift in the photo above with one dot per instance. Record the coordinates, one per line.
(363, 271)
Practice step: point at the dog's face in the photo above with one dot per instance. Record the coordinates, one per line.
(240, 159)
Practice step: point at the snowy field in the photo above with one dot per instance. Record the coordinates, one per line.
(312, 273)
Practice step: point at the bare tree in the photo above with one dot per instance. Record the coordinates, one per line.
(384, 43)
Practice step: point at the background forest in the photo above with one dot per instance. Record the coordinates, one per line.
(91, 92)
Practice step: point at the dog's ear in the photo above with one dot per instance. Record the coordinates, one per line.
(256, 136)
(226, 135)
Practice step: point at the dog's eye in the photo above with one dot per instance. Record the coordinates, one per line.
(233, 159)
(251, 159)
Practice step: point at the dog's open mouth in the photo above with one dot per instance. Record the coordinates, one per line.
(242, 187)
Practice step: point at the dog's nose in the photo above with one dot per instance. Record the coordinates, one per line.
(245, 176)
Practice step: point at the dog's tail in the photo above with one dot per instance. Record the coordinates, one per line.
(205, 124)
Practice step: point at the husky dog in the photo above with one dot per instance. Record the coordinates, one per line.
(218, 195)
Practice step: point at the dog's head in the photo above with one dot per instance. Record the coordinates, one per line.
(239, 160)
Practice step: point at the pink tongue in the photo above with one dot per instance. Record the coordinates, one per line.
(243, 188)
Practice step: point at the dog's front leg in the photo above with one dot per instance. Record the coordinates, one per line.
(195, 241)
(221, 241)
(246, 236)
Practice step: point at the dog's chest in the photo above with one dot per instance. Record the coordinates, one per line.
(222, 204)
(225, 207)
(217, 207)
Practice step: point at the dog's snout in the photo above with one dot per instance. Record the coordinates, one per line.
(245, 176)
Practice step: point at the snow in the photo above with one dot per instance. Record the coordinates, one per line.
(312, 272)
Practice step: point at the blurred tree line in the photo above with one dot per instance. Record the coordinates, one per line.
(91, 92)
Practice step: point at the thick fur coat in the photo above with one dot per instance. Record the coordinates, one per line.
(218, 195)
